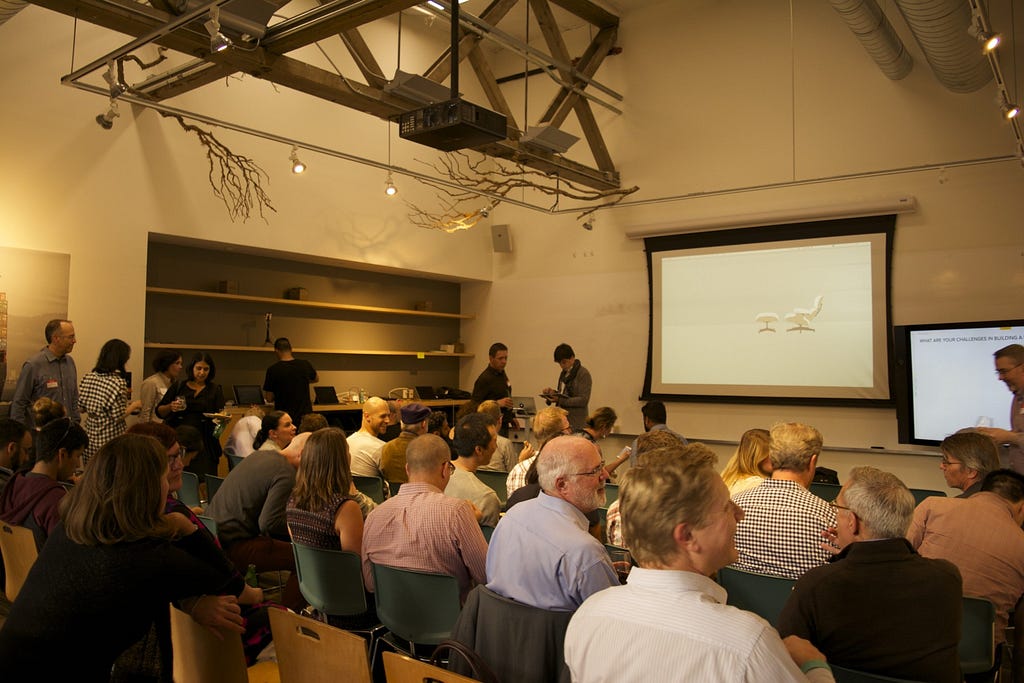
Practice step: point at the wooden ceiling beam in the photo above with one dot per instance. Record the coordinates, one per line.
(489, 83)
(364, 58)
(588, 64)
(442, 66)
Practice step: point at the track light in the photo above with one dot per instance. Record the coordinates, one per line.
(218, 41)
(389, 186)
(114, 83)
(106, 120)
(989, 41)
(1010, 110)
(297, 165)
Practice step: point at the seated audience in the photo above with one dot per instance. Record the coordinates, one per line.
(46, 410)
(244, 432)
(276, 431)
(967, 457)
(879, 607)
(394, 427)
(32, 497)
(547, 424)
(190, 440)
(599, 425)
(312, 422)
(15, 449)
(750, 464)
(250, 511)
(414, 418)
(566, 564)
(364, 446)
(103, 396)
(781, 531)
(982, 537)
(475, 439)
(655, 416)
(421, 528)
(671, 616)
(506, 456)
(109, 571)
(646, 442)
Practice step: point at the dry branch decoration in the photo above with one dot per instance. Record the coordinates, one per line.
(236, 180)
(461, 209)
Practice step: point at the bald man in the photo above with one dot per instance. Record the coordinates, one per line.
(365, 445)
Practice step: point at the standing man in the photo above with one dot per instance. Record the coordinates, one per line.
(574, 384)
(1010, 369)
(50, 373)
(493, 385)
(364, 446)
(287, 382)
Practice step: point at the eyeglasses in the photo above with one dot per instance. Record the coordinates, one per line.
(589, 473)
(836, 506)
(949, 463)
(451, 467)
(1003, 372)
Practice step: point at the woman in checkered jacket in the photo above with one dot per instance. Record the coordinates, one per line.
(103, 396)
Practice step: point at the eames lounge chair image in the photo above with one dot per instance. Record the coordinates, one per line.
(802, 317)
(767, 319)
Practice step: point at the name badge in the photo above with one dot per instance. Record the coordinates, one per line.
(52, 384)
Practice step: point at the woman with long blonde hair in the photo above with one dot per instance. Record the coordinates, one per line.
(750, 464)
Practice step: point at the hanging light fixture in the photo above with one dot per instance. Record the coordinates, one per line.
(218, 41)
(389, 186)
(106, 120)
(114, 81)
(297, 165)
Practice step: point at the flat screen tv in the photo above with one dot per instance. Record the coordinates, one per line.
(945, 377)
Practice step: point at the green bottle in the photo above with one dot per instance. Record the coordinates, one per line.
(250, 576)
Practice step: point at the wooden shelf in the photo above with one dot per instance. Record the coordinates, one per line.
(218, 296)
(344, 352)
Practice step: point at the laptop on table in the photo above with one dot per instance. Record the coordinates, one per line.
(325, 395)
(248, 395)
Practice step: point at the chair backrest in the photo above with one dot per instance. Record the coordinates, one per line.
(18, 546)
(234, 460)
(189, 491)
(496, 482)
(417, 606)
(309, 651)
(393, 487)
(209, 522)
(213, 483)
(850, 676)
(826, 492)
(921, 494)
(977, 636)
(611, 494)
(487, 530)
(330, 580)
(199, 656)
(401, 669)
(372, 487)
(758, 593)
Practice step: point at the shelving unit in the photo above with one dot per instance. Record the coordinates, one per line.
(343, 352)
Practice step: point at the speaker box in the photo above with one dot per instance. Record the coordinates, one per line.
(501, 235)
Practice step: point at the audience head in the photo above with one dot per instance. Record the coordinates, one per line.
(113, 355)
(15, 444)
(872, 504)
(121, 496)
(60, 336)
(967, 457)
(654, 414)
(648, 441)
(1008, 485)
(497, 356)
(677, 514)
(312, 422)
(282, 344)
(191, 443)
(602, 421)
(550, 422)
(168, 361)
(62, 442)
(276, 427)
(476, 438)
(323, 471)
(429, 460)
(414, 417)
(439, 423)
(176, 454)
(750, 459)
(206, 370)
(491, 410)
(794, 448)
(691, 452)
(571, 468)
(45, 410)
(376, 414)
(1010, 366)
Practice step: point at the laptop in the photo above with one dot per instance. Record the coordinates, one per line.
(524, 405)
(325, 394)
(248, 395)
(425, 393)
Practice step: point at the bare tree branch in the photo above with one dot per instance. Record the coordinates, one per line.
(236, 180)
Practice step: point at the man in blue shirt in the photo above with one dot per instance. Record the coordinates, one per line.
(50, 373)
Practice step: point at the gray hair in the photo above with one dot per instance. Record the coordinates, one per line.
(558, 459)
(791, 446)
(972, 448)
(881, 500)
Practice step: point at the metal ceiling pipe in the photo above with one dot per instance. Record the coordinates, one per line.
(869, 23)
(8, 8)
(940, 28)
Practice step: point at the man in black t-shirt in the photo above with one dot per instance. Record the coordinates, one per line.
(287, 381)
(493, 385)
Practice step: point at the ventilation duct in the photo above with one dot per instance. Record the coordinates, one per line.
(869, 23)
(940, 28)
(8, 8)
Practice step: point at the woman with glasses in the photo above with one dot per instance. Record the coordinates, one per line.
(103, 394)
(192, 402)
(109, 571)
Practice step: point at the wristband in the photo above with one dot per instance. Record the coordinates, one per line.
(814, 664)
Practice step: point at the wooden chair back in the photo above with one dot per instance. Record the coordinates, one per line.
(18, 546)
(401, 669)
(309, 651)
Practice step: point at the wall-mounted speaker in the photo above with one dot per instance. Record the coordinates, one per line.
(501, 235)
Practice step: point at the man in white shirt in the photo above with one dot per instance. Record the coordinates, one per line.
(364, 446)
(680, 525)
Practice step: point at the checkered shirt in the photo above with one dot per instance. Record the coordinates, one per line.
(517, 477)
(103, 397)
(780, 533)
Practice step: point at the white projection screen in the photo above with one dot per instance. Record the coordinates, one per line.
(788, 313)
